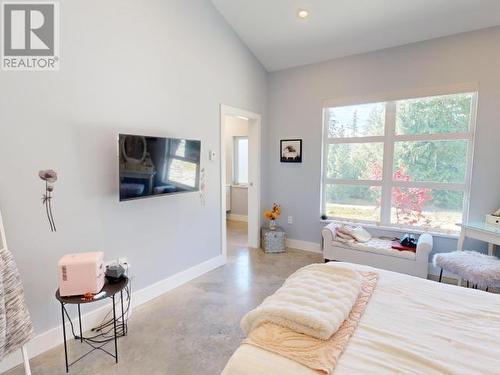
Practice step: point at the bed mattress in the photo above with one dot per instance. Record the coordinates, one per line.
(410, 326)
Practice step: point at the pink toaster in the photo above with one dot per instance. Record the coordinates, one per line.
(81, 273)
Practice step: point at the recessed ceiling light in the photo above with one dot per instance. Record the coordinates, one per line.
(303, 13)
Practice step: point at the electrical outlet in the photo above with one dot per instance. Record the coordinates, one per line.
(290, 219)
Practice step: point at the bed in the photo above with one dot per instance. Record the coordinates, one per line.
(410, 326)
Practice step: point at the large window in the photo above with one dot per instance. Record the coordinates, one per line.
(240, 165)
(403, 163)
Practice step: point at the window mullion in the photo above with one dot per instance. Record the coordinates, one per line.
(430, 185)
(346, 181)
(367, 139)
(432, 137)
(470, 161)
(324, 164)
(390, 132)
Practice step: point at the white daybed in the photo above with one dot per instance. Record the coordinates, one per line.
(378, 253)
(410, 326)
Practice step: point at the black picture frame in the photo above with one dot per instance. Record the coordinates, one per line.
(293, 155)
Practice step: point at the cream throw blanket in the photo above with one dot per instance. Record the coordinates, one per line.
(319, 355)
(315, 301)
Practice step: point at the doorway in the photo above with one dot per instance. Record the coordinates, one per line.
(240, 175)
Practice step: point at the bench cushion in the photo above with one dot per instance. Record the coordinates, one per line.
(377, 246)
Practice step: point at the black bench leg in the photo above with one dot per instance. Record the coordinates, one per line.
(326, 260)
(441, 275)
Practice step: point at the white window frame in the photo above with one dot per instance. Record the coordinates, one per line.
(236, 153)
(388, 140)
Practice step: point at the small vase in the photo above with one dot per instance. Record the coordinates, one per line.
(272, 224)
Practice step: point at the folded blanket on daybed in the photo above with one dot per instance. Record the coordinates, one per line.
(311, 318)
(315, 300)
(351, 234)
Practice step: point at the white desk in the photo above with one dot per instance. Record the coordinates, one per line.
(482, 232)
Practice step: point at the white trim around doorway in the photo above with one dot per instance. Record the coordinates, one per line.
(254, 185)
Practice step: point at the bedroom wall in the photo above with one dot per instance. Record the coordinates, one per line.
(161, 69)
(295, 100)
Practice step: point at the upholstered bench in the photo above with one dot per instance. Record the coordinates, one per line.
(479, 269)
(378, 253)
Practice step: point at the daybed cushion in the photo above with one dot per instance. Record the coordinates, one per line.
(410, 326)
(378, 246)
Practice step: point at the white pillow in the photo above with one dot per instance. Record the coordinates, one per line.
(360, 234)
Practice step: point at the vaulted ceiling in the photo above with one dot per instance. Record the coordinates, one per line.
(281, 39)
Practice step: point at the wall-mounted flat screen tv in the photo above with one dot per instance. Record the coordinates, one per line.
(151, 166)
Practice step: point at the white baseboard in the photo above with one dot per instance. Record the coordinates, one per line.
(53, 337)
(304, 245)
(236, 217)
(155, 290)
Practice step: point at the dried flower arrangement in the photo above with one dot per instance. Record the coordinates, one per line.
(50, 177)
(272, 215)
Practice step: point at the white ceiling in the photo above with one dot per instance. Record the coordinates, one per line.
(337, 28)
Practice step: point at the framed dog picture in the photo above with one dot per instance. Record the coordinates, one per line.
(291, 150)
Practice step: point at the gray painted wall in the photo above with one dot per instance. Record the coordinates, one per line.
(160, 69)
(295, 98)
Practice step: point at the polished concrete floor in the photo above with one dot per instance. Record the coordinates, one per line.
(193, 329)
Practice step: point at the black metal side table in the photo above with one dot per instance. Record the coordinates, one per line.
(108, 291)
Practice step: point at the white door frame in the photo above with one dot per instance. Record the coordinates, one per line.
(254, 173)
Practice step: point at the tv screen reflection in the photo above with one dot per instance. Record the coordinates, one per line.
(151, 166)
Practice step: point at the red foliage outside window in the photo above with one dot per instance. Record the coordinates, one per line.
(408, 202)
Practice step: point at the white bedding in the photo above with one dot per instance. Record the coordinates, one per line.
(410, 326)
